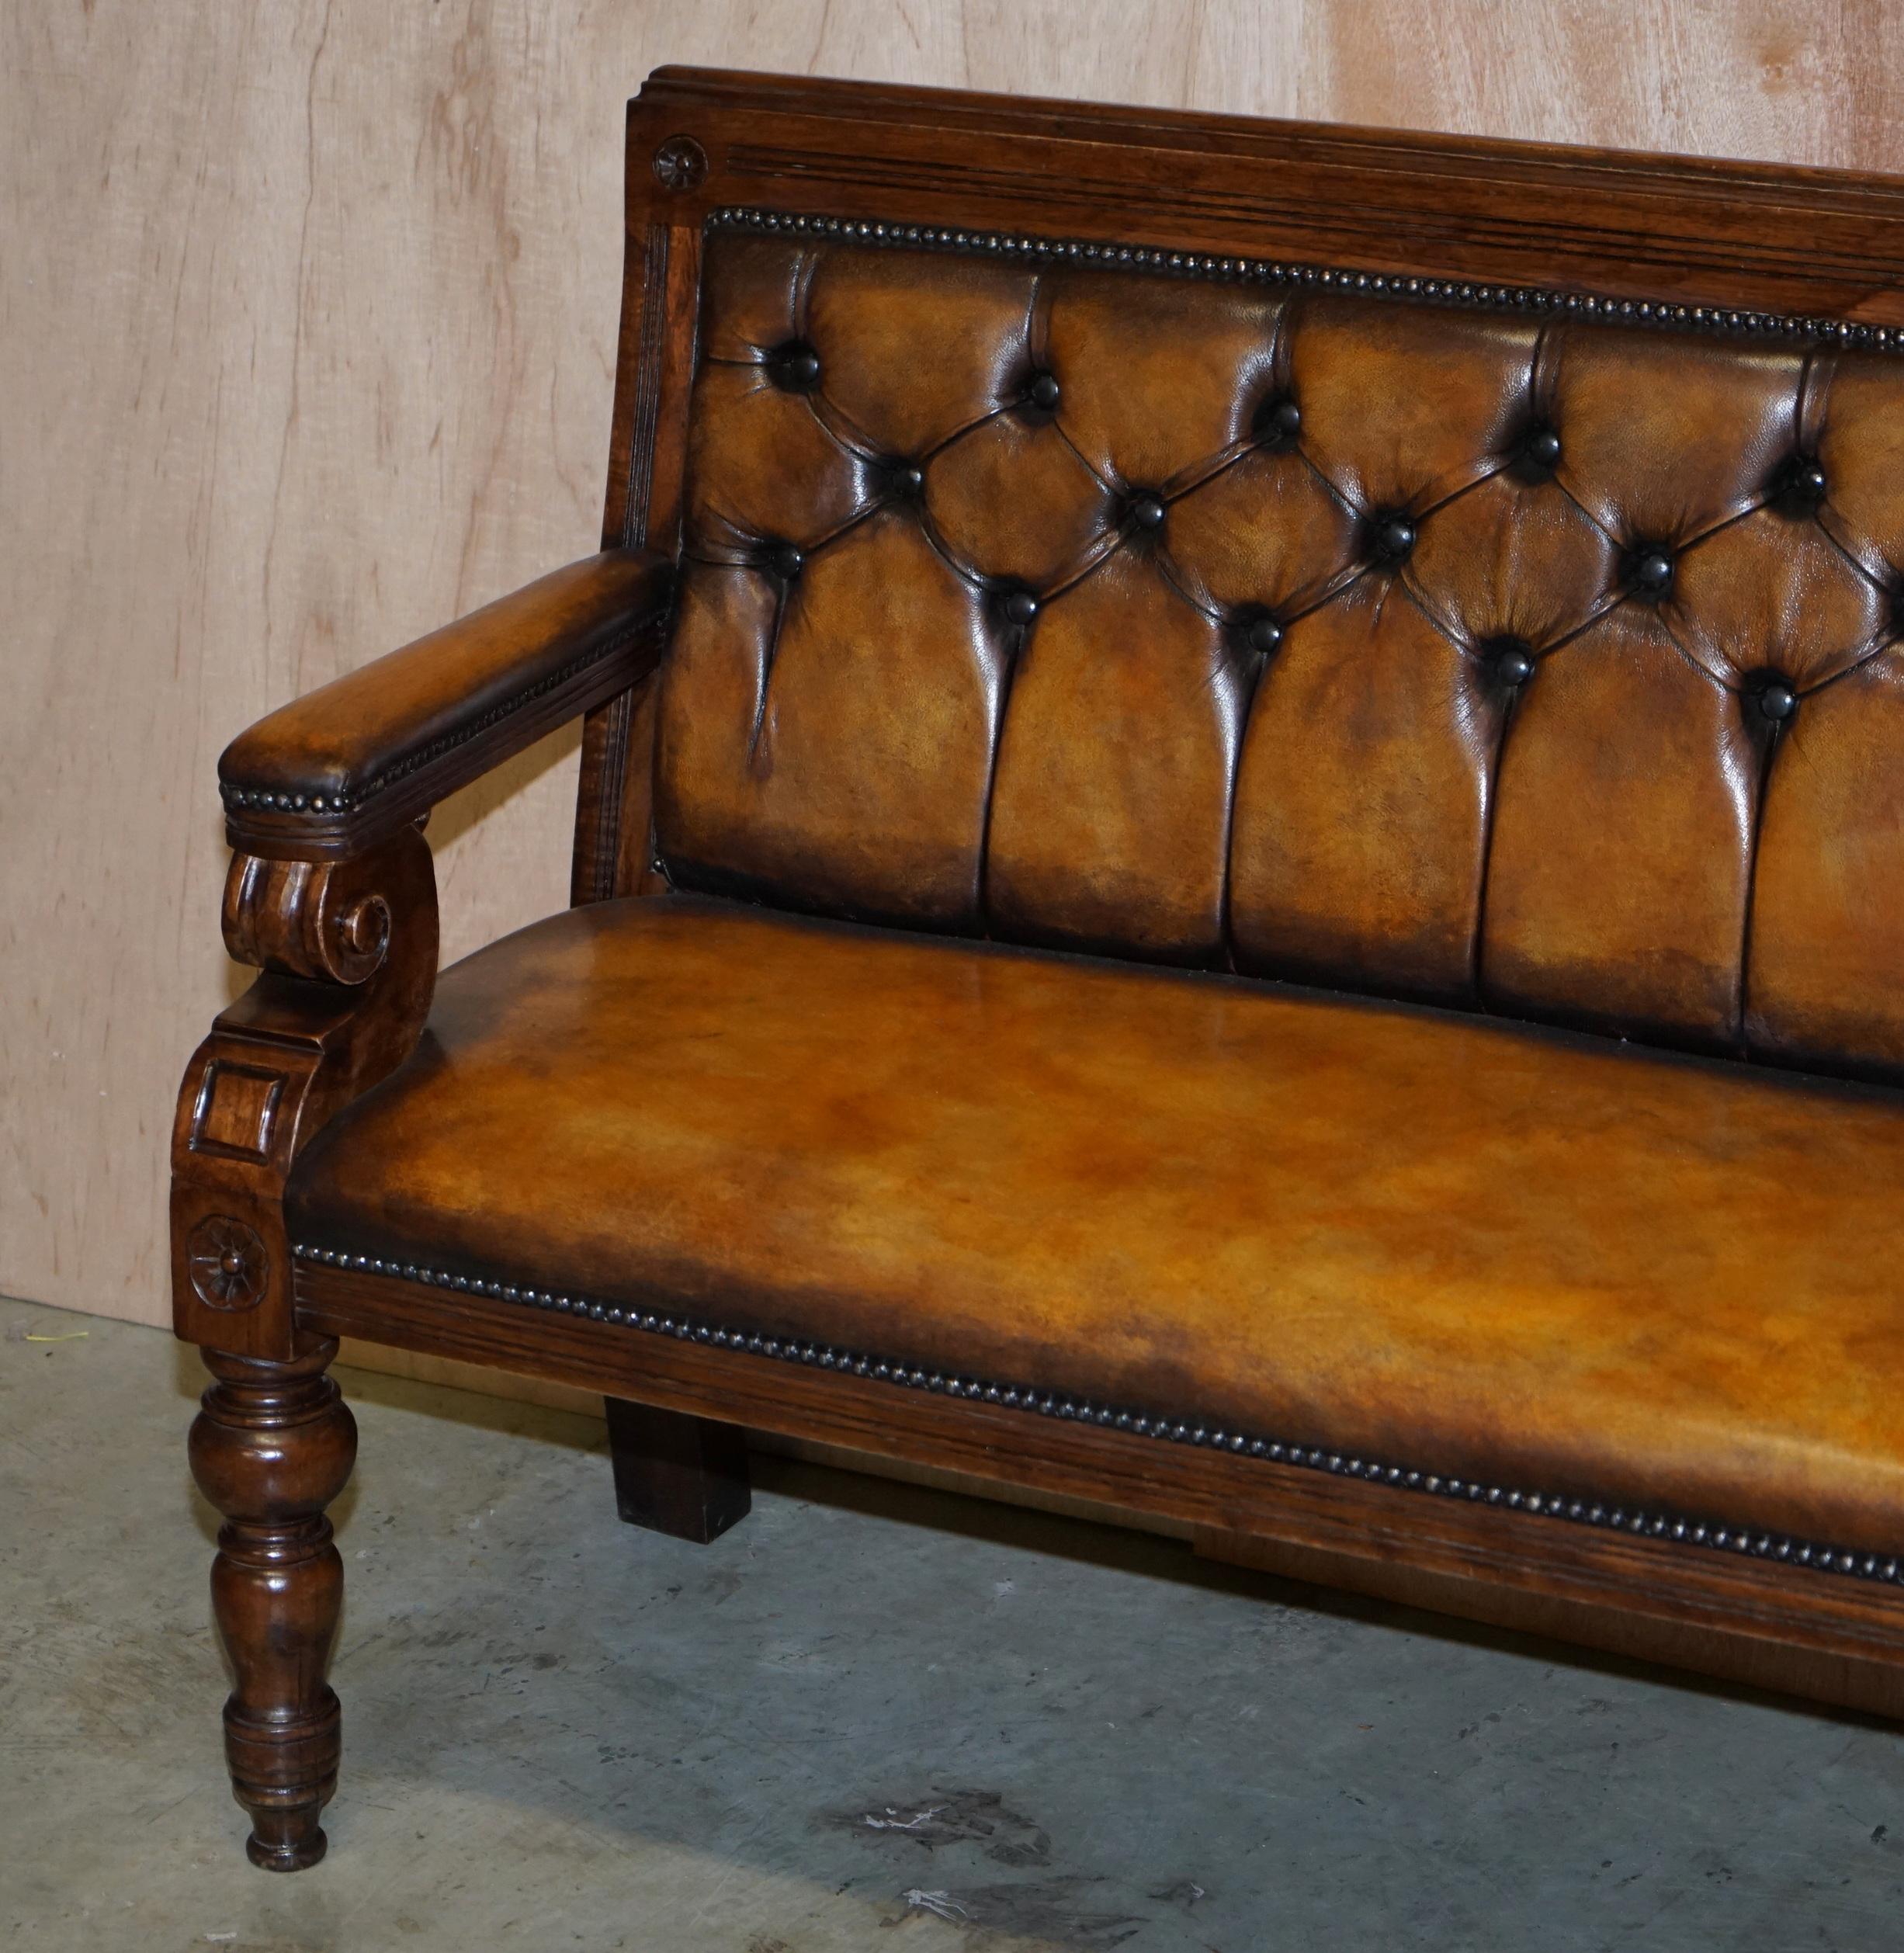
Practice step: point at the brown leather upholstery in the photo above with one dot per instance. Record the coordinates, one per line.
(1460, 1246)
(1539, 667)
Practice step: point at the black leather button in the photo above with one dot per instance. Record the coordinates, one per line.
(1262, 632)
(1020, 606)
(1277, 421)
(1147, 511)
(1541, 448)
(1649, 571)
(1512, 660)
(1392, 535)
(1041, 391)
(1799, 486)
(785, 560)
(906, 480)
(795, 366)
(1777, 699)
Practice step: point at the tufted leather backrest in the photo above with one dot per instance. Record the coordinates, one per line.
(1471, 648)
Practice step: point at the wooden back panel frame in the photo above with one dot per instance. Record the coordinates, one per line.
(1656, 230)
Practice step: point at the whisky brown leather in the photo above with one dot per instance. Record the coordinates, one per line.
(862, 716)
(358, 757)
(1461, 1247)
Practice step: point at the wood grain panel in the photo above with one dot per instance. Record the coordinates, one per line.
(307, 345)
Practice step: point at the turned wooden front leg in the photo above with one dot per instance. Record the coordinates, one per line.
(272, 1447)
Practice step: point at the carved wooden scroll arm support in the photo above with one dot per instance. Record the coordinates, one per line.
(346, 952)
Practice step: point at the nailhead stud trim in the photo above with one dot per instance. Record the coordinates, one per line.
(1610, 1515)
(240, 798)
(1474, 293)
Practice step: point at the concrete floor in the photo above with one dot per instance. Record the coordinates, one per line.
(871, 1717)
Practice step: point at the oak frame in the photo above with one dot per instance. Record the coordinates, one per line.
(347, 942)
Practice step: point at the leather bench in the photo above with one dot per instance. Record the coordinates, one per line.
(1239, 855)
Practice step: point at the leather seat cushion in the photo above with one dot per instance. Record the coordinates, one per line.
(1543, 1261)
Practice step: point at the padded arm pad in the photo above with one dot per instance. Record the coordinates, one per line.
(335, 771)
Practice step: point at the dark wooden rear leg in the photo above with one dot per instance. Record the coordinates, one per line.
(271, 1449)
(685, 1476)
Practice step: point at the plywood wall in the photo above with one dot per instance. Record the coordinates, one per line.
(306, 324)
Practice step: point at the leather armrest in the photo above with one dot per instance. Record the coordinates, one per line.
(335, 771)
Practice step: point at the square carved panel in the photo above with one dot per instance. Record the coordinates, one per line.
(237, 1106)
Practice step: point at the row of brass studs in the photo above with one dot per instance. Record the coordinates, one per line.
(1190, 264)
(1606, 1513)
(347, 802)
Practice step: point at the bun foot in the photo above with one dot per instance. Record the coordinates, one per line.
(286, 1841)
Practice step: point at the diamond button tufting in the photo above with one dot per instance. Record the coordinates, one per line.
(1799, 488)
(1777, 700)
(1277, 421)
(795, 366)
(1541, 448)
(1393, 536)
(1262, 633)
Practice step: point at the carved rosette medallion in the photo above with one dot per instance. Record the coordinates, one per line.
(680, 163)
(228, 1263)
